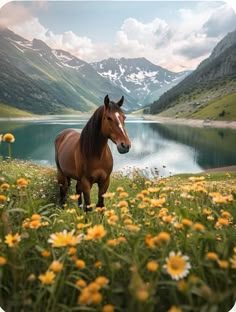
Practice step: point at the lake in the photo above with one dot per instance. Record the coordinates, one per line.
(166, 148)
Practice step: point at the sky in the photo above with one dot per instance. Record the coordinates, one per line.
(176, 35)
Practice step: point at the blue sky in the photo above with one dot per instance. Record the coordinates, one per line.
(177, 35)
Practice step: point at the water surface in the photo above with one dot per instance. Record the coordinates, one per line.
(166, 148)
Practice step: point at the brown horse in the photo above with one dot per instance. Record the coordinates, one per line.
(86, 157)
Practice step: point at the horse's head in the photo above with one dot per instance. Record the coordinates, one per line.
(113, 124)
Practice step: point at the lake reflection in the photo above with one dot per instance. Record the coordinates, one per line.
(170, 149)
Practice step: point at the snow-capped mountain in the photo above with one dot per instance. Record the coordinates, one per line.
(141, 79)
(38, 79)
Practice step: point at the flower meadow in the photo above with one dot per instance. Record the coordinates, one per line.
(165, 245)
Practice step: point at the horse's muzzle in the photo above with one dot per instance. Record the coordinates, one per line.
(123, 148)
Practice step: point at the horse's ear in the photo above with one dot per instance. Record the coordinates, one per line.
(121, 101)
(106, 101)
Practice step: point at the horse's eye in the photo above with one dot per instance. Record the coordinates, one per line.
(109, 118)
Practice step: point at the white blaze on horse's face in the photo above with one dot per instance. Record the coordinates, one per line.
(119, 123)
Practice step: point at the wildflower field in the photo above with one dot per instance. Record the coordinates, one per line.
(161, 245)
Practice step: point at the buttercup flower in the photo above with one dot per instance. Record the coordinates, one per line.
(108, 308)
(56, 266)
(96, 232)
(3, 260)
(3, 198)
(177, 265)
(47, 278)
(8, 137)
(152, 266)
(12, 240)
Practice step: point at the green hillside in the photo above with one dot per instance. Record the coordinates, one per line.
(223, 108)
(209, 92)
(8, 111)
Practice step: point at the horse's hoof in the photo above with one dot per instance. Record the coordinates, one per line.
(88, 209)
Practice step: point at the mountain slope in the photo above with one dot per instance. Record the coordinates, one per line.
(141, 79)
(214, 79)
(41, 80)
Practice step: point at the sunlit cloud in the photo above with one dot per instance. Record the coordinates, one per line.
(178, 45)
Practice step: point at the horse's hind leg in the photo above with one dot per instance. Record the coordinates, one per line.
(64, 183)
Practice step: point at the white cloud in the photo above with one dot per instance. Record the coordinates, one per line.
(178, 45)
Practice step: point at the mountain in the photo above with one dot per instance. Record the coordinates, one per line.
(38, 79)
(141, 79)
(208, 92)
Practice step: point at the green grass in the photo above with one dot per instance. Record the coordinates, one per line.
(139, 228)
(8, 111)
(217, 106)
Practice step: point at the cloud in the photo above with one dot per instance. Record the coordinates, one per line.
(217, 25)
(177, 45)
(13, 14)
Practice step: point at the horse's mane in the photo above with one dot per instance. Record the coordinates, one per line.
(91, 133)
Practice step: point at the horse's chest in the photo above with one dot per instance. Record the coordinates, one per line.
(100, 171)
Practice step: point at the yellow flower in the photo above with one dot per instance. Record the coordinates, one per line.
(101, 281)
(120, 189)
(152, 266)
(35, 224)
(174, 309)
(123, 203)
(12, 240)
(35, 217)
(83, 225)
(96, 298)
(47, 278)
(233, 262)
(212, 256)
(80, 264)
(221, 222)
(123, 195)
(223, 264)
(132, 227)
(108, 195)
(3, 198)
(96, 232)
(187, 222)
(163, 237)
(3, 260)
(177, 265)
(108, 308)
(74, 197)
(46, 253)
(62, 239)
(8, 137)
(93, 287)
(22, 182)
(98, 264)
(142, 294)
(5, 186)
(199, 227)
(56, 266)
(81, 283)
(71, 251)
(158, 202)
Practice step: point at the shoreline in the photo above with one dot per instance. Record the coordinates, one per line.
(200, 123)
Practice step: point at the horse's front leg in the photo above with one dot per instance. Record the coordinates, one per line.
(79, 192)
(102, 188)
(86, 188)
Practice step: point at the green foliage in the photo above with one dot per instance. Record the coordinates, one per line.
(142, 223)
